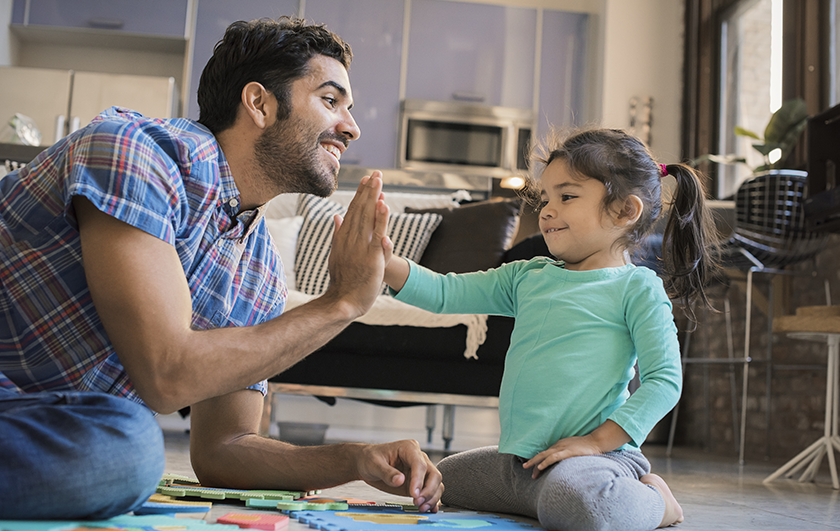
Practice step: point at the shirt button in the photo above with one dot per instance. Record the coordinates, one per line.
(233, 203)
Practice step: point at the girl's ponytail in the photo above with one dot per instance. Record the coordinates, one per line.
(690, 243)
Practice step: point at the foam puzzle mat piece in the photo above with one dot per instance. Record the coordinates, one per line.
(161, 504)
(169, 508)
(197, 491)
(169, 479)
(298, 505)
(261, 504)
(397, 520)
(178, 486)
(266, 522)
(118, 523)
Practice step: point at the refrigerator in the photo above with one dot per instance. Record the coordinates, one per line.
(62, 101)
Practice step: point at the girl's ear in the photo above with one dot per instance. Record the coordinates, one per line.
(632, 211)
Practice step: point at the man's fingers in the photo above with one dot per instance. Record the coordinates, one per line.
(380, 227)
(363, 211)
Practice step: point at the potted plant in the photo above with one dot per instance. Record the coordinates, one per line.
(780, 137)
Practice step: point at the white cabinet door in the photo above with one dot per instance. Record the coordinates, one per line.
(155, 97)
(563, 70)
(39, 93)
(374, 30)
(473, 52)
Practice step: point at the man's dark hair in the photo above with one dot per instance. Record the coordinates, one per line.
(271, 52)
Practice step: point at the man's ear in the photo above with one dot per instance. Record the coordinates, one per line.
(258, 104)
(631, 212)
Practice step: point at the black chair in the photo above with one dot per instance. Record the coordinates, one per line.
(769, 234)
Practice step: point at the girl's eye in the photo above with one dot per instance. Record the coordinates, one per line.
(541, 205)
(566, 197)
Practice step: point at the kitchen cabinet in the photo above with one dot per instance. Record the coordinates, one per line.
(374, 30)
(151, 17)
(562, 70)
(49, 96)
(39, 93)
(213, 18)
(473, 52)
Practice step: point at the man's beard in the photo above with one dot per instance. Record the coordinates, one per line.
(291, 163)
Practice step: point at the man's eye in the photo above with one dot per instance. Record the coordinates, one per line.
(332, 101)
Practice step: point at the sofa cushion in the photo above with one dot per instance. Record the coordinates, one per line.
(285, 205)
(527, 249)
(284, 232)
(410, 234)
(472, 237)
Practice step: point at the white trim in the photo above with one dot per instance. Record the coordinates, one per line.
(535, 104)
(404, 53)
(189, 55)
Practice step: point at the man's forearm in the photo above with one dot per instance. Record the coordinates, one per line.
(138, 286)
(227, 452)
(225, 360)
(255, 462)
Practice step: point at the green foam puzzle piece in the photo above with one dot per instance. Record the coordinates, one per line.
(181, 491)
(309, 506)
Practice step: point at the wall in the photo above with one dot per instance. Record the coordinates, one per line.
(642, 57)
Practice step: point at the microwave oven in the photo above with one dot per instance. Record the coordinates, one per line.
(464, 138)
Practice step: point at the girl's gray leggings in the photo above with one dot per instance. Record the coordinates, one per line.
(580, 493)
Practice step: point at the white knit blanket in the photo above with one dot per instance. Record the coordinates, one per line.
(387, 311)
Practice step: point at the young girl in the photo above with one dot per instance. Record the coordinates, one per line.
(570, 433)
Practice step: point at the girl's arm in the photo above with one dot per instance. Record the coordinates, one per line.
(605, 438)
(396, 273)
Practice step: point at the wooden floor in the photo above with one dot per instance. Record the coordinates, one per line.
(715, 493)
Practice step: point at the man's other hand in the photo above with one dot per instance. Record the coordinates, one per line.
(402, 468)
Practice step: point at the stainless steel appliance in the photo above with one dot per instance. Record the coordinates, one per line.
(464, 137)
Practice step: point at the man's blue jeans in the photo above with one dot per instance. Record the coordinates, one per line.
(76, 455)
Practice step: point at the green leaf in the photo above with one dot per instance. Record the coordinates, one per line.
(740, 131)
(789, 117)
(765, 149)
(788, 142)
(719, 159)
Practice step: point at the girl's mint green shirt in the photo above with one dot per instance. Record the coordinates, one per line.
(577, 336)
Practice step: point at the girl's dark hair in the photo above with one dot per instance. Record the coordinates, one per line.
(271, 52)
(626, 167)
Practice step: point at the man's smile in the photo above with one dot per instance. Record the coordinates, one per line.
(332, 149)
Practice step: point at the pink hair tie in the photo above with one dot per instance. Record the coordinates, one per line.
(663, 171)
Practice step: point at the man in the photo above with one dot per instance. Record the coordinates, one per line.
(136, 268)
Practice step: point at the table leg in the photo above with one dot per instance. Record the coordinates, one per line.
(811, 457)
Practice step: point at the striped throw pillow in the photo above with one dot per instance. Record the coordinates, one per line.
(410, 234)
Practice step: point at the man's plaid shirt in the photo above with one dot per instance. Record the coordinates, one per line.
(168, 178)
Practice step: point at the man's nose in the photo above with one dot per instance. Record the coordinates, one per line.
(348, 127)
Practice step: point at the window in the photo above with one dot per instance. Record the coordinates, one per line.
(833, 55)
(750, 83)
